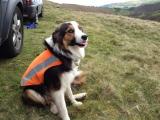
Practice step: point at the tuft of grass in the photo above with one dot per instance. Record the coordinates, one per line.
(122, 61)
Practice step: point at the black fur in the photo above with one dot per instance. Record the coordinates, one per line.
(52, 78)
(53, 74)
(67, 62)
(41, 89)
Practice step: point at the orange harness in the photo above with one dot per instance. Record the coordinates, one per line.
(34, 74)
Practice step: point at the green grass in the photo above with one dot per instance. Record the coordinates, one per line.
(122, 61)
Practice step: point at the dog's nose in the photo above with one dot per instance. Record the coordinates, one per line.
(84, 37)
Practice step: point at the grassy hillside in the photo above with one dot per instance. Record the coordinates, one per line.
(85, 8)
(147, 11)
(122, 61)
(130, 4)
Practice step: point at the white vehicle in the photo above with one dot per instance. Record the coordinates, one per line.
(33, 9)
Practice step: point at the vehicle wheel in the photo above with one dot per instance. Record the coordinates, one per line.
(13, 45)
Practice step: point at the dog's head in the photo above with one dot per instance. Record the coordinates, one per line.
(70, 34)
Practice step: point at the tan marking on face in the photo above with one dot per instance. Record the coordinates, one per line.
(69, 36)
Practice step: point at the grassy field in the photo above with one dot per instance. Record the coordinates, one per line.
(122, 61)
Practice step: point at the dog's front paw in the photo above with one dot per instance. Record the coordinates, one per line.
(54, 109)
(77, 103)
(80, 96)
(66, 118)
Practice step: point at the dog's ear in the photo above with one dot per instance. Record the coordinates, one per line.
(55, 35)
(59, 33)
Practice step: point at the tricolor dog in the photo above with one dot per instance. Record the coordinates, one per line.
(48, 78)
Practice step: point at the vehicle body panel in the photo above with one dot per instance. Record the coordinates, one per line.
(30, 11)
(7, 10)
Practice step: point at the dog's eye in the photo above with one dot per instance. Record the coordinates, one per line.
(70, 31)
(80, 28)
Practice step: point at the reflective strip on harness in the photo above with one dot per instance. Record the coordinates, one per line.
(38, 68)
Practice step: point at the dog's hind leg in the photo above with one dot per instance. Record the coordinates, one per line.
(59, 100)
(34, 96)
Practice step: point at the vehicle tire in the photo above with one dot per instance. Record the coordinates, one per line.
(13, 45)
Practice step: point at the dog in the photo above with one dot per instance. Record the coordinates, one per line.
(49, 77)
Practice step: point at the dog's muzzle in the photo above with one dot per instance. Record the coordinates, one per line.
(83, 42)
(84, 37)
